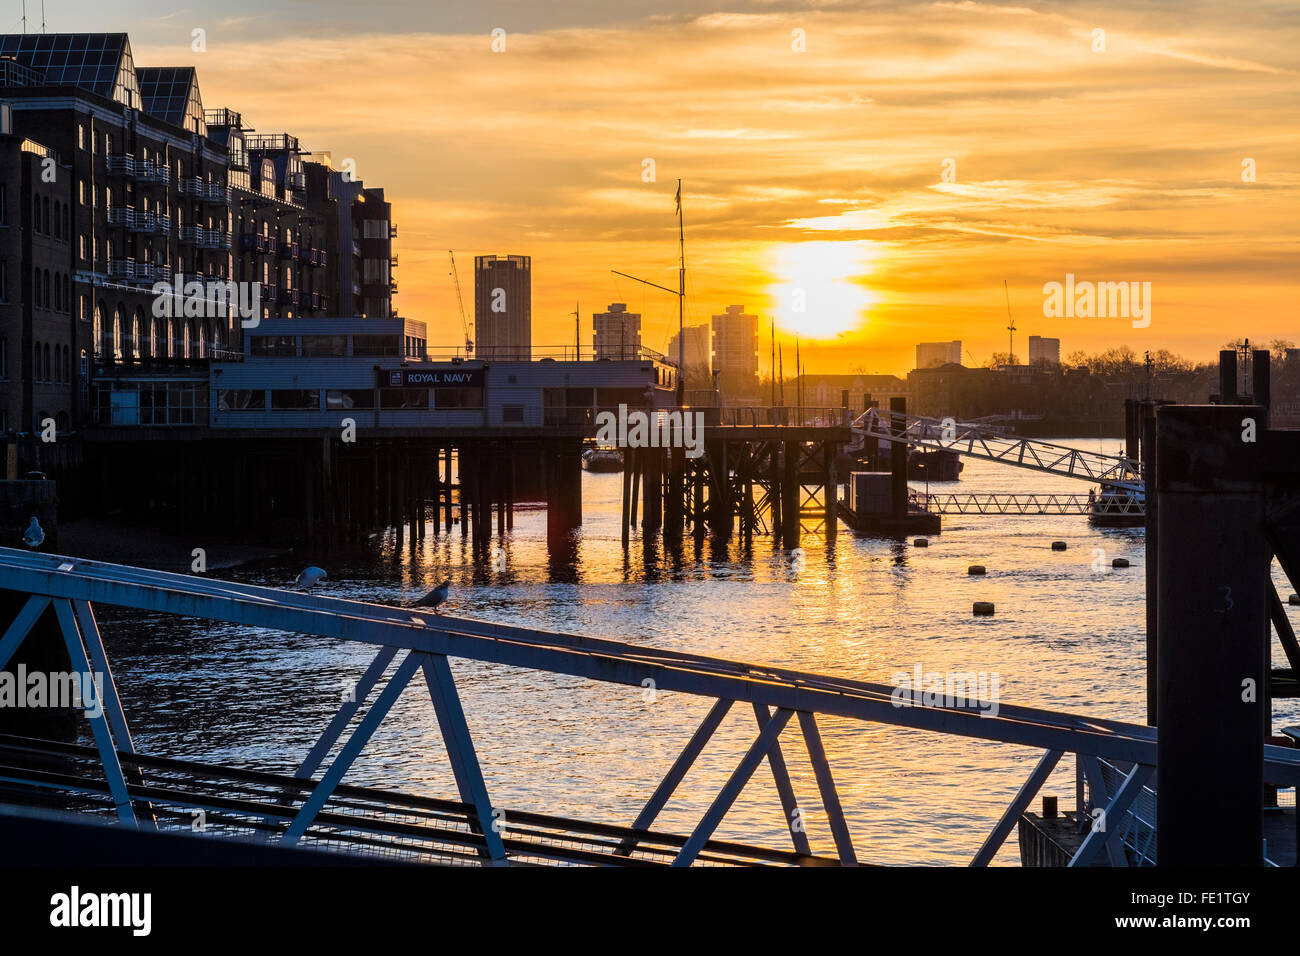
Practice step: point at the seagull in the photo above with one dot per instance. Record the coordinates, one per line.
(310, 577)
(34, 536)
(436, 596)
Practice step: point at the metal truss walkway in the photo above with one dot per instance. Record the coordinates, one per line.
(1113, 471)
(313, 808)
(1030, 504)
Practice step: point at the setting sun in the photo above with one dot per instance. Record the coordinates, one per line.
(820, 292)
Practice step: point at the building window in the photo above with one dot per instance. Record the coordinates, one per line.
(273, 346)
(295, 399)
(343, 399)
(324, 346)
(81, 136)
(240, 399)
(404, 398)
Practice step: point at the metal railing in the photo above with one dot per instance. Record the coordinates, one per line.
(945, 503)
(966, 439)
(308, 808)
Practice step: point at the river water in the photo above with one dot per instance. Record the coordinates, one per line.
(1065, 636)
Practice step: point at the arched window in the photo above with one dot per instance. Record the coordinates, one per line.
(46, 358)
(45, 215)
(36, 361)
(133, 346)
(57, 222)
(45, 287)
(97, 331)
(119, 319)
(174, 349)
(36, 288)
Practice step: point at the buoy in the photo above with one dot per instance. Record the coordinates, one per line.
(983, 608)
(975, 569)
(1293, 599)
(1058, 545)
(1119, 563)
(921, 543)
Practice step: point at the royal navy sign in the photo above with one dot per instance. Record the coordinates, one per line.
(431, 378)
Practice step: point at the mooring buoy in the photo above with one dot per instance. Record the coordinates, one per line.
(1293, 599)
(921, 543)
(1058, 545)
(1119, 563)
(975, 569)
(983, 608)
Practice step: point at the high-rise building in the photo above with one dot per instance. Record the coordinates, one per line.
(735, 346)
(696, 354)
(503, 307)
(931, 354)
(617, 333)
(1044, 351)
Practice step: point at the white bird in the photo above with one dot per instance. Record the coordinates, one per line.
(436, 596)
(310, 577)
(34, 536)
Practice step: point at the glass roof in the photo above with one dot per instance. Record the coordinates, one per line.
(98, 62)
(171, 93)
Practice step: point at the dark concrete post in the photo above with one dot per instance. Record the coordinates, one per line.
(1227, 376)
(1151, 502)
(1261, 379)
(1212, 636)
(898, 457)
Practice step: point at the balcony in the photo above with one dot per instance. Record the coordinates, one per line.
(270, 292)
(392, 286)
(128, 217)
(256, 243)
(223, 117)
(205, 191)
(124, 164)
(131, 271)
(392, 232)
(392, 262)
(290, 250)
(287, 297)
(205, 238)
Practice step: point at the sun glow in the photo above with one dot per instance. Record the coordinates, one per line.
(820, 292)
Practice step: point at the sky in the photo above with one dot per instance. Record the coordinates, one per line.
(865, 175)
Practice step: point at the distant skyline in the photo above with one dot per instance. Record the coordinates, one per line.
(818, 173)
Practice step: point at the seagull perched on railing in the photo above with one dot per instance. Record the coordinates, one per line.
(436, 596)
(34, 536)
(310, 577)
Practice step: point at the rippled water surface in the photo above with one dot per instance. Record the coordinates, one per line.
(1065, 636)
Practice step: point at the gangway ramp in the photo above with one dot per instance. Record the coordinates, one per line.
(1114, 471)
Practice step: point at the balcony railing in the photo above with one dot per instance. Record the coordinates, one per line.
(270, 292)
(205, 238)
(288, 250)
(132, 271)
(392, 232)
(124, 164)
(223, 117)
(286, 297)
(257, 243)
(206, 191)
(128, 217)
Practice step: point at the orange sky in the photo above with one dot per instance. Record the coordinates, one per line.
(819, 170)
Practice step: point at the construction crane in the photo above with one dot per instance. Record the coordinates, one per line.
(1011, 327)
(464, 322)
